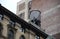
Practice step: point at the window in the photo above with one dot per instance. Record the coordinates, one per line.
(22, 6)
(29, 8)
(22, 37)
(29, 5)
(10, 34)
(1, 16)
(37, 37)
(51, 37)
(11, 23)
(22, 30)
(35, 17)
(1, 27)
(37, 22)
(22, 15)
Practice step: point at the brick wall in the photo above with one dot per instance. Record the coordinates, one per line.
(51, 21)
(50, 14)
(44, 5)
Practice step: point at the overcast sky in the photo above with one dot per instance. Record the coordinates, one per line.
(10, 4)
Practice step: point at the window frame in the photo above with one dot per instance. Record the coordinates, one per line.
(9, 31)
(22, 37)
(22, 15)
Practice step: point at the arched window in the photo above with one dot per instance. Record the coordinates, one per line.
(22, 37)
(11, 34)
(35, 17)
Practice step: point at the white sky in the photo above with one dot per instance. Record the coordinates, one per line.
(10, 4)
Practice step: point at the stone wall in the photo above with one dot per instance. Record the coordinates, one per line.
(28, 34)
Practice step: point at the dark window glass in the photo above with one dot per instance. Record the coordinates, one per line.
(37, 37)
(22, 37)
(22, 15)
(29, 5)
(1, 17)
(29, 8)
(23, 30)
(11, 34)
(11, 23)
(1, 27)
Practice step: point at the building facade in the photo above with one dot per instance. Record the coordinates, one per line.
(13, 27)
(49, 17)
(24, 11)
